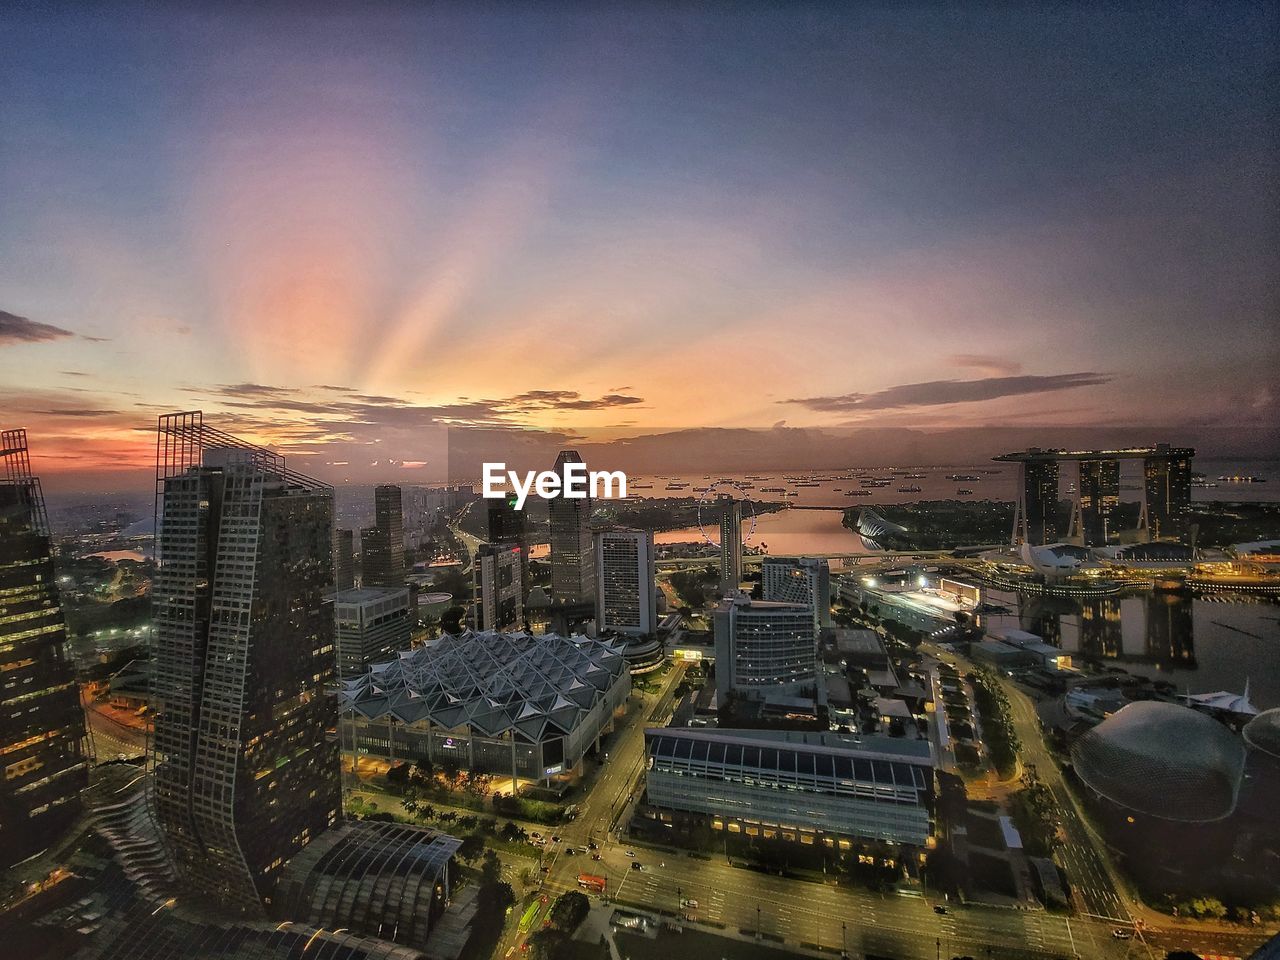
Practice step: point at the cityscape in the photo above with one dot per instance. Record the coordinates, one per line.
(918, 598)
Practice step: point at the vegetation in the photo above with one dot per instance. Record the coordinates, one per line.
(692, 585)
(997, 724)
(1033, 812)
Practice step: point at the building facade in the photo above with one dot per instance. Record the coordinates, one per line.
(42, 732)
(244, 774)
(763, 649)
(1167, 492)
(382, 545)
(625, 601)
(572, 565)
(344, 559)
(499, 587)
(1093, 515)
(730, 543)
(507, 527)
(805, 580)
(373, 624)
(799, 786)
(1036, 517)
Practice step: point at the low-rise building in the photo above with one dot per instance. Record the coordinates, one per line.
(373, 624)
(808, 787)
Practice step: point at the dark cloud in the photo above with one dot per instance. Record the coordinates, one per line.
(937, 392)
(564, 400)
(16, 329)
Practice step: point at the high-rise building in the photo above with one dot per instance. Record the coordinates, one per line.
(499, 591)
(373, 625)
(382, 545)
(625, 600)
(1097, 497)
(1167, 491)
(763, 648)
(507, 526)
(244, 774)
(42, 733)
(730, 543)
(804, 580)
(572, 565)
(1036, 516)
(344, 559)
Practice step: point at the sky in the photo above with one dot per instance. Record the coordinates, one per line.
(342, 229)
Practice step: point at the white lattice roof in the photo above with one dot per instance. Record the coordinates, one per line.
(491, 682)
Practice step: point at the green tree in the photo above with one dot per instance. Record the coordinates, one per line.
(569, 910)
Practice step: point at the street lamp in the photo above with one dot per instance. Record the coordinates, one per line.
(844, 942)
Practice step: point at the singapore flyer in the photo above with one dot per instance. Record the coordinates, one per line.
(709, 511)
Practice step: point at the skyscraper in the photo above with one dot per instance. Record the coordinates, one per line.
(507, 527)
(730, 543)
(763, 648)
(804, 580)
(625, 600)
(499, 593)
(1097, 496)
(382, 545)
(42, 729)
(1036, 518)
(373, 625)
(1167, 491)
(572, 566)
(344, 561)
(244, 773)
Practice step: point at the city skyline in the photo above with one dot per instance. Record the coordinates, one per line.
(332, 238)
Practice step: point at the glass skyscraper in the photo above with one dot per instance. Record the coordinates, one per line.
(572, 564)
(42, 732)
(244, 772)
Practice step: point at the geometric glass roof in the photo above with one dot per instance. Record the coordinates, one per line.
(491, 682)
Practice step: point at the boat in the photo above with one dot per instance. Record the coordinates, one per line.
(1241, 479)
(773, 489)
(858, 493)
(965, 477)
(911, 489)
(964, 492)
(913, 476)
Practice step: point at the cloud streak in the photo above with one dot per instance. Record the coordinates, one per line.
(16, 329)
(939, 392)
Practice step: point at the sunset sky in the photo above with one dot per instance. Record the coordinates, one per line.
(337, 231)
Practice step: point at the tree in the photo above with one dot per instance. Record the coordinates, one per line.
(472, 846)
(569, 910)
(399, 773)
(451, 619)
(547, 943)
(423, 769)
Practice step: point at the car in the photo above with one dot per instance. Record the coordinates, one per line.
(636, 866)
(939, 908)
(592, 845)
(689, 904)
(546, 868)
(631, 853)
(536, 836)
(1121, 933)
(555, 839)
(570, 852)
(595, 856)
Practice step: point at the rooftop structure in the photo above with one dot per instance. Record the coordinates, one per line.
(1263, 732)
(794, 784)
(475, 696)
(1163, 760)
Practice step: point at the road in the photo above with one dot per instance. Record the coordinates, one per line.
(109, 737)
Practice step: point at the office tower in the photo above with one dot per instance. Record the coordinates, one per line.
(41, 723)
(1167, 491)
(344, 559)
(244, 774)
(1035, 519)
(382, 545)
(1096, 499)
(499, 592)
(625, 601)
(373, 625)
(507, 526)
(730, 543)
(763, 648)
(804, 580)
(572, 567)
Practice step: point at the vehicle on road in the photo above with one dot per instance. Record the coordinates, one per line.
(595, 856)
(637, 866)
(592, 845)
(555, 839)
(1120, 933)
(939, 908)
(570, 852)
(535, 836)
(689, 904)
(631, 853)
(590, 881)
